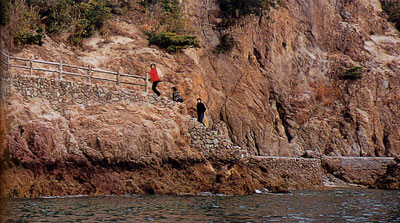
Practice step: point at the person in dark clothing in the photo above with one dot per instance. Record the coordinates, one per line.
(176, 96)
(201, 108)
(154, 78)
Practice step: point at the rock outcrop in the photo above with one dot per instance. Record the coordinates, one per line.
(279, 92)
(282, 92)
(139, 144)
(363, 171)
(391, 179)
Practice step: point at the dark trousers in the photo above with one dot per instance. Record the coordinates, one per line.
(200, 117)
(155, 89)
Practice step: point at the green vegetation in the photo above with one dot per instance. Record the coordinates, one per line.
(235, 9)
(171, 30)
(28, 37)
(26, 27)
(171, 6)
(353, 73)
(29, 21)
(226, 44)
(92, 15)
(172, 41)
(58, 16)
(392, 9)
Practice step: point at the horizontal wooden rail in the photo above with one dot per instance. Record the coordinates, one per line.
(45, 62)
(103, 79)
(21, 67)
(87, 72)
(132, 76)
(45, 70)
(104, 71)
(75, 74)
(18, 58)
(75, 67)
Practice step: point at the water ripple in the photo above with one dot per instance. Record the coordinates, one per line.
(302, 206)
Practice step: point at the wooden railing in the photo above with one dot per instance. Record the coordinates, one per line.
(61, 70)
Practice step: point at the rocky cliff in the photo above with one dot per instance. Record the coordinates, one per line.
(280, 92)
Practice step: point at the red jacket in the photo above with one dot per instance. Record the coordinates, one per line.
(154, 75)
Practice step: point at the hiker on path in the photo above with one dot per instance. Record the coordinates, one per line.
(154, 78)
(176, 96)
(201, 108)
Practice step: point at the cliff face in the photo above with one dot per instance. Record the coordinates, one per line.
(280, 92)
(65, 141)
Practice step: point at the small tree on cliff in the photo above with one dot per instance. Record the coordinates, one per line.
(235, 9)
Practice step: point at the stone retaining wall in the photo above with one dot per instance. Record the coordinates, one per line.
(295, 173)
(357, 170)
(62, 92)
(213, 141)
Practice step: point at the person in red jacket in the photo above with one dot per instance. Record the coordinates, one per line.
(154, 78)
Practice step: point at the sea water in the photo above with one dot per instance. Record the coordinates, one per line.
(340, 205)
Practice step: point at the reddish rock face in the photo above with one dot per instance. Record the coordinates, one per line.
(391, 179)
(141, 147)
(367, 172)
(280, 92)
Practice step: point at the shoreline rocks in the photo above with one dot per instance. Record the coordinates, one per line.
(149, 146)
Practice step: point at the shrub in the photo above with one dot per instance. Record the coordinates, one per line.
(170, 29)
(59, 16)
(92, 15)
(392, 9)
(95, 11)
(235, 9)
(171, 6)
(28, 37)
(79, 17)
(172, 41)
(226, 44)
(24, 24)
(353, 73)
(167, 16)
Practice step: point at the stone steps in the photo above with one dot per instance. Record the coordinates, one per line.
(212, 141)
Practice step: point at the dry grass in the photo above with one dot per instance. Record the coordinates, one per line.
(112, 27)
(326, 94)
(321, 93)
(303, 117)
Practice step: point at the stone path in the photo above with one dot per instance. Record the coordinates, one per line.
(209, 140)
(213, 141)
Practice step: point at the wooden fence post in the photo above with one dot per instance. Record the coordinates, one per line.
(31, 66)
(118, 77)
(147, 84)
(61, 70)
(89, 75)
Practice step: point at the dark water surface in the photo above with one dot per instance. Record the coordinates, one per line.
(301, 206)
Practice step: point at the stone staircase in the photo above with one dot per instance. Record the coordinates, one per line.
(213, 140)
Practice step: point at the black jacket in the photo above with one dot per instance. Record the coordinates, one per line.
(201, 108)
